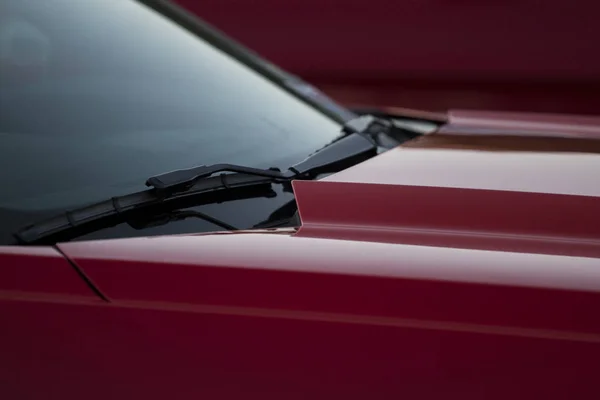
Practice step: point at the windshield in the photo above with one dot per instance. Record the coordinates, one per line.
(98, 95)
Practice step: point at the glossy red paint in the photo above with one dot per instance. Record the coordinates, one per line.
(425, 272)
(450, 217)
(74, 351)
(94, 258)
(514, 171)
(521, 124)
(264, 315)
(40, 271)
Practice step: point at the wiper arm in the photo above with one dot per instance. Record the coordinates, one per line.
(343, 152)
(196, 186)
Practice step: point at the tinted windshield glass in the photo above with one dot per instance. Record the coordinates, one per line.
(98, 95)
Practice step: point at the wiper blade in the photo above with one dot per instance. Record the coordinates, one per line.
(143, 209)
(196, 186)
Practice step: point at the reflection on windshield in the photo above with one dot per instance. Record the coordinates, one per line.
(98, 95)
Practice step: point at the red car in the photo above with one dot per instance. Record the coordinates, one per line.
(285, 248)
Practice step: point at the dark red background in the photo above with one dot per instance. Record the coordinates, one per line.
(504, 54)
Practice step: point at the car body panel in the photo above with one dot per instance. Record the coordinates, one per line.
(295, 314)
(121, 351)
(432, 164)
(297, 272)
(39, 271)
(449, 217)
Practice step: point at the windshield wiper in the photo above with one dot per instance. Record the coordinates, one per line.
(196, 186)
(141, 209)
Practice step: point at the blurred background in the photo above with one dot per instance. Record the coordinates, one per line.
(517, 55)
